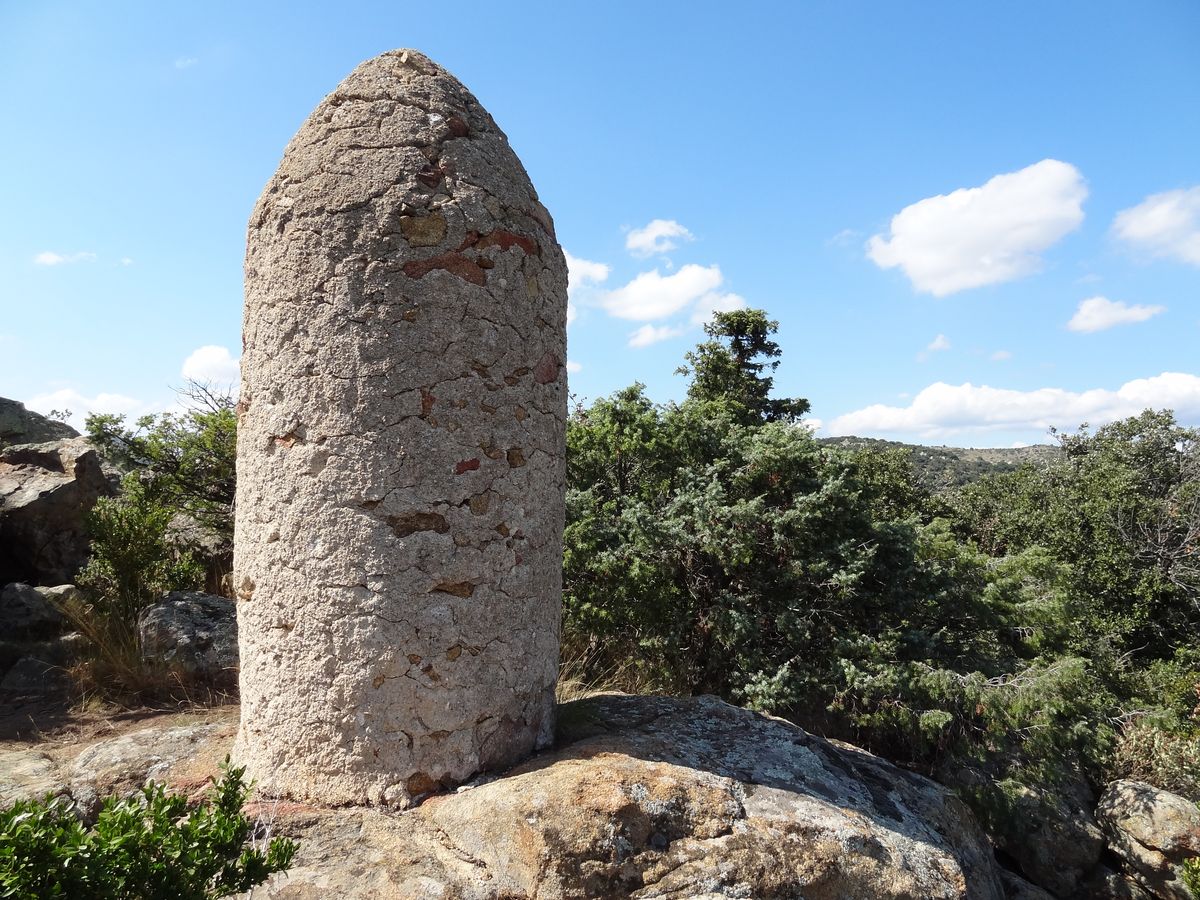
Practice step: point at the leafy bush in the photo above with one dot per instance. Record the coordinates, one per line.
(1190, 874)
(1156, 755)
(997, 634)
(132, 564)
(151, 847)
(186, 460)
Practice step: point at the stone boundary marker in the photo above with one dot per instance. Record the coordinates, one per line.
(398, 548)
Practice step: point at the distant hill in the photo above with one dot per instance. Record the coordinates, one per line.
(947, 467)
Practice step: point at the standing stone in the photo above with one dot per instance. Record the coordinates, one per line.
(401, 476)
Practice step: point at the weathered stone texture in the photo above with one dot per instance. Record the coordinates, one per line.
(401, 448)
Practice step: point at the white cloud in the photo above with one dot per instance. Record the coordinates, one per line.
(69, 399)
(941, 342)
(983, 235)
(582, 274)
(652, 295)
(1166, 224)
(657, 237)
(186, 62)
(812, 423)
(126, 261)
(1099, 313)
(50, 258)
(943, 409)
(211, 365)
(573, 366)
(584, 271)
(714, 302)
(652, 334)
(1001, 355)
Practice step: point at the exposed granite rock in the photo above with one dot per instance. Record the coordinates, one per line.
(401, 478)
(193, 634)
(1017, 888)
(1053, 838)
(28, 613)
(1107, 884)
(28, 774)
(655, 797)
(45, 492)
(122, 765)
(1153, 832)
(31, 676)
(19, 425)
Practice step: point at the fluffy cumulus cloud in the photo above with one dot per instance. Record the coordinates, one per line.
(1166, 224)
(942, 410)
(211, 365)
(715, 302)
(983, 235)
(50, 258)
(1099, 313)
(573, 367)
(80, 405)
(653, 334)
(652, 295)
(582, 276)
(660, 236)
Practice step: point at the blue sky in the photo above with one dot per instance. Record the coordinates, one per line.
(971, 220)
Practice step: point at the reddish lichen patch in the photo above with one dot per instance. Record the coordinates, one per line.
(454, 263)
(467, 465)
(506, 239)
(547, 368)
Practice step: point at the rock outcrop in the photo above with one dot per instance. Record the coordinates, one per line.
(642, 797)
(1152, 831)
(19, 425)
(400, 493)
(193, 634)
(45, 492)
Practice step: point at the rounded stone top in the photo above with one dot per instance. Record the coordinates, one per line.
(400, 137)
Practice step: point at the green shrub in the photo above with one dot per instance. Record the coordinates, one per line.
(132, 564)
(1165, 758)
(150, 847)
(1190, 873)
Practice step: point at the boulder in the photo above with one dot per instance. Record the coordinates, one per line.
(1153, 832)
(46, 491)
(1053, 837)
(1107, 884)
(19, 425)
(1017, 888)
(122, 765)
(29, 613)
(193, 634)
(657, 797)
(28, 774)
(31, 677)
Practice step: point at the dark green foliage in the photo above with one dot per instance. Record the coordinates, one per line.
(730, 368)
(1190, 874)
(1010, 632)
(151, 847)
(133, 563)
(186, 461)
